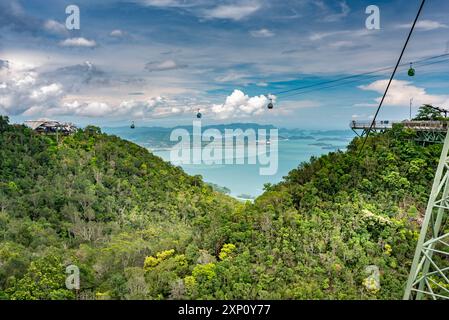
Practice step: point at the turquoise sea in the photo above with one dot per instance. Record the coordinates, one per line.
(245, 181)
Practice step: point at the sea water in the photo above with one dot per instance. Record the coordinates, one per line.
(245, 180)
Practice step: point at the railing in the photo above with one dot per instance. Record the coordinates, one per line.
(378, 124)
(388, 124)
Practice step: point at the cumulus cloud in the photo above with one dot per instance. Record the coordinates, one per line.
(401, 92)
(25, 92)
(129, 109)
(78, 42)
(239, 104)
(41, 94)
(425, 25)
(22, 90)
(262, 33)
(27, 95)
(83, 109)
(164, 65)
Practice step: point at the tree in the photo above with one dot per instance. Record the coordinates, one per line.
(4, 122)
(44, 280)
(428, 113)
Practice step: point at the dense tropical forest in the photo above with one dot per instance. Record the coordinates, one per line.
(140, 228)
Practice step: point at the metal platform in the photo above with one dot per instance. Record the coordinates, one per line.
(426, 131)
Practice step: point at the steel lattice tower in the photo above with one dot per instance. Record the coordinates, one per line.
(429, 275)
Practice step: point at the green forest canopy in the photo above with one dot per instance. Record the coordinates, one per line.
(140, 228)
(428, 112)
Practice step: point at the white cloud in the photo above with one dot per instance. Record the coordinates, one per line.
(22, 90)
(78, 42)
(321, 35)
(55, 27)
(42, 94)
(117, 33)
(239, 104)
(25, 80)
(130, 109)
(262, 33)
(401, 92)
(83, 109)
(425, 25)
(232, 11)
(169, 3)
(363, 116)
(164, 65)
(28, 93)
(347, 33)
(25, 92)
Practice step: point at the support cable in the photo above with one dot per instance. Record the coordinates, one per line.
(393, 74)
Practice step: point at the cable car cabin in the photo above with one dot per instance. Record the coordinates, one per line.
(133, 126)
(270, 105)
(199, 115)
(411, 71)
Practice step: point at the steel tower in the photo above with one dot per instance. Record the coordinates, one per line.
(429, 275)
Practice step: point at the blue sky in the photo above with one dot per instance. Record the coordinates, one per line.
(158, 61)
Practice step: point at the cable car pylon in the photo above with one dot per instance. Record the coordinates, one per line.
(429, 274)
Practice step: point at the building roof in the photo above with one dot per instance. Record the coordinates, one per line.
(34, 124)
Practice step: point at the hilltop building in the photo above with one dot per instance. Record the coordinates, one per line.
(51, 126)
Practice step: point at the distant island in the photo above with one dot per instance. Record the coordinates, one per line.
(246, 197)
(220, 189)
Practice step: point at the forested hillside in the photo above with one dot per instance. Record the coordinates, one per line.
(139, 228)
